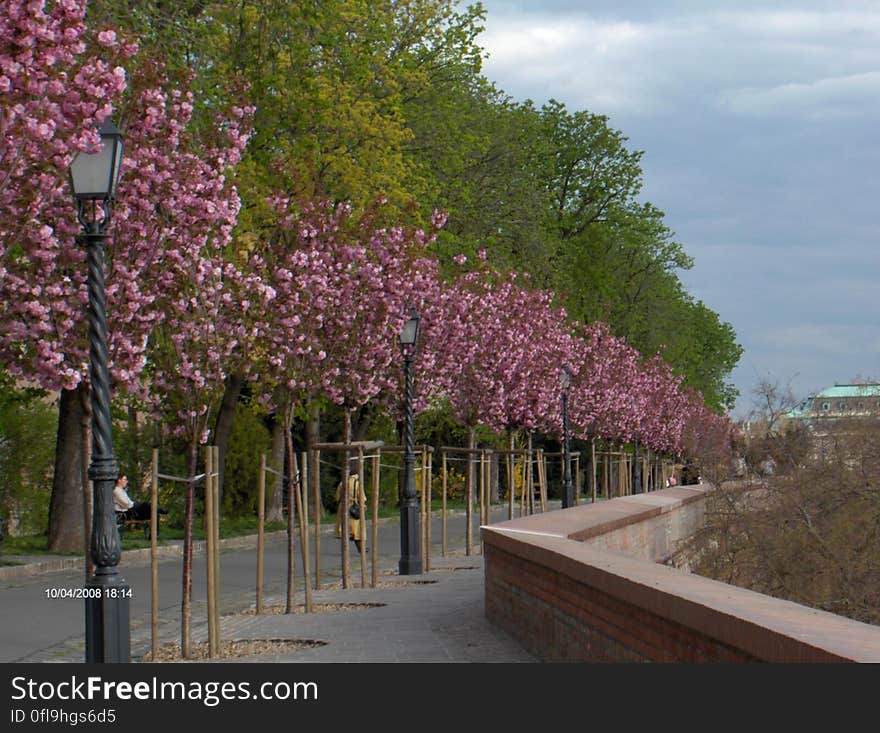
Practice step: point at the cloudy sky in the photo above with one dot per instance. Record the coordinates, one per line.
(759, 122)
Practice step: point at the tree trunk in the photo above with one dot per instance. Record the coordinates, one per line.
(223, 426)
(296, 494)
(274, 505)
(361, 420)
(313, 436)
(136, 477)
(66, 520)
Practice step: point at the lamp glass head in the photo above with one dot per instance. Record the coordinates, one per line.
(94, 176)
(410, 332)
(565, 377)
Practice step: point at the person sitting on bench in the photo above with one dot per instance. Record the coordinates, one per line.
(126, 507)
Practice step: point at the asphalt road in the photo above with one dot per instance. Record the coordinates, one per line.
(37, 627)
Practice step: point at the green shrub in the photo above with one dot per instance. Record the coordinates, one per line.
(247, 441)
(28, 430)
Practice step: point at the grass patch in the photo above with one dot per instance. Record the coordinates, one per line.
(133, 538)
(29, 545)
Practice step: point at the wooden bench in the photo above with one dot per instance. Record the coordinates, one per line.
(124, 525)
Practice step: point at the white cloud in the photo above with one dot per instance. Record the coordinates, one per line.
(592, 60)
(801, 23)
(756, 62)
(844, 96)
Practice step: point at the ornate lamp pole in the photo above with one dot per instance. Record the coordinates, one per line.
(567, 488)
(93, 179)
(410, 550)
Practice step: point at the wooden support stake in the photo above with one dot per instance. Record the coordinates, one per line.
(606, 479)
(362, 507)
(443, 509)
(215, 484)
(423, 511)
(469, 520)
(542, 473)
(290, 601)
(342, 507)
(577, 479)
(302, 495)
(261, 525)
(429, 513)
(530, 479)
(154, 555)
(511, 474)
(209, 546)
(374, 540)
(489, 455)
(316, 485)
(482, 489)
(594, 479)
(215, 543)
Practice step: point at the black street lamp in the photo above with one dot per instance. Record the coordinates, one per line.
(410, 550)
(567, 488)
(93, 179)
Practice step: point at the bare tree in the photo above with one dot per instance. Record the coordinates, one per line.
(809, 535)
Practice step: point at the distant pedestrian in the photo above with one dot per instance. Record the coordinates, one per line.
(356, 522)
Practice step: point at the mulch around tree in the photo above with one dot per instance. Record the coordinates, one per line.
(281, 608)
(232, 649)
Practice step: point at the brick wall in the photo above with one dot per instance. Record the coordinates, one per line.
(581, 584)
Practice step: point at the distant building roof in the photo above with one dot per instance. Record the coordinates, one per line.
(808, 409)
(850, 390)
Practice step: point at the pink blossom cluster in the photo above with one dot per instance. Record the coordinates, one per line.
(497, 349)
(177, 214)
(343, 285)
(489, 343)
(57, 85)
(167, 279)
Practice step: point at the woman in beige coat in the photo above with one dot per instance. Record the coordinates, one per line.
(357, 501)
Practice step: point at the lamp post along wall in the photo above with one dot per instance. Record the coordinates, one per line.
(93, 179)
(410, 548)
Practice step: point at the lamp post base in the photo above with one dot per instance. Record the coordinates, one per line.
(409, 566)
(108, 636)
(567, 495)
(410, 551)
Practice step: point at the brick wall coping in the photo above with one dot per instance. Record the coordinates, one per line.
(766, 628)
(585, 521)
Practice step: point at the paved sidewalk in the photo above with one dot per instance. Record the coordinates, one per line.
(433, 617)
